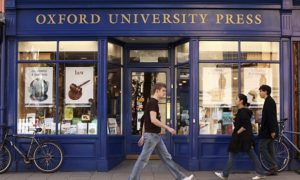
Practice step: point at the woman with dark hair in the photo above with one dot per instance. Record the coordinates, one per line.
(242, 139)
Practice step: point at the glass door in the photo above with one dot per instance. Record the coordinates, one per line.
(140, 84)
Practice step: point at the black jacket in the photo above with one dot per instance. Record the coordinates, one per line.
(269, 122)
(242, 142)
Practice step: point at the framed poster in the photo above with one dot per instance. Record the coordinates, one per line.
(217, 86)
(253, 79)
(38, 86)
(79, 85)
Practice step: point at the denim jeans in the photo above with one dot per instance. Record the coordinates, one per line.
(258, 168)
(267, 149)
(153, 141)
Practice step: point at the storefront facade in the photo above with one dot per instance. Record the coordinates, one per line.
(83, 73)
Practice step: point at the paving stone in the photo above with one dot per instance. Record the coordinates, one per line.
(155, 170)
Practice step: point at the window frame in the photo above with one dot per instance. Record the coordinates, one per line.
(239, 61)
(56, 63)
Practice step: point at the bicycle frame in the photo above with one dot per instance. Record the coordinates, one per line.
(288, 140)
(7, 138)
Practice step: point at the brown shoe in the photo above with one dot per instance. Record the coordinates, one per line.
(272, 172)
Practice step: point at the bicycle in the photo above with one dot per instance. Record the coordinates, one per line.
(281, 150)
(47, 156)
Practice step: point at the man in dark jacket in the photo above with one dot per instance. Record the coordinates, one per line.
(269, 128)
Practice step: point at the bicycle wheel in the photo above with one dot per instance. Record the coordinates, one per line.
(48, 157)
(5, 159)
(282, 156)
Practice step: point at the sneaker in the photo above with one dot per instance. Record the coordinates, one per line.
(189, 178)
(220, 175)
(258, 177)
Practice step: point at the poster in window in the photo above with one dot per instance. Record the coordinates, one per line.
(38, 86)
(79, 85)
(253, 79)
(217, 86)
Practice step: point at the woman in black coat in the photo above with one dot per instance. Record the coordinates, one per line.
(242, 139)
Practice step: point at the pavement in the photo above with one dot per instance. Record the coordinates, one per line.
(155, 170)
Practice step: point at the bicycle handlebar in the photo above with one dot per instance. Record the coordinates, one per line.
(282, 121)
(5, 127)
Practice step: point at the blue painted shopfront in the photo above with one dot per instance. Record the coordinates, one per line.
(158, 25)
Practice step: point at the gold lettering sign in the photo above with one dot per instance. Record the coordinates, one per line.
(164, 18)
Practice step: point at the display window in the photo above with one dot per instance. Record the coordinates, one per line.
(59, 97)
(252, 77)
(218, 50)
(36, 98)
(265, 51)
(114, 89)
(218, 89)
(37, 50)
(182, 100)
(220, 82)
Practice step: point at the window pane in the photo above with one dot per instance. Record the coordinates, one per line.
(37, 50)
(149, 56)
(218, 90)
(218, 50)
(114, 100)
(260, 50)
(77, 98)
(182, 53)
(36, 98)
(115, 53)
(253, 76)
(78, 50)
(182, 100)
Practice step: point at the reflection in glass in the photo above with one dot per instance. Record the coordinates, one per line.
(78, 98)
(260, 50)
(252, 77)
(78, 50)
(182, 53)
(37, 50)
(218, 90)
(36, 98)
(114, 53)
(141, 92)
(114, 99)
(182, 100)
(147, 56)
(218, 50)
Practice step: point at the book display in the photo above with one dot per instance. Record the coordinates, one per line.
(217, 120)
(79, 108)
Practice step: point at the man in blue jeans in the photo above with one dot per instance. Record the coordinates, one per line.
(152, 140)
(268, 128)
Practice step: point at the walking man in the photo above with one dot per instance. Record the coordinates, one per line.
(152, 140)
(268, 129)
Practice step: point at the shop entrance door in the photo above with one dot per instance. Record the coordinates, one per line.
(139, 84)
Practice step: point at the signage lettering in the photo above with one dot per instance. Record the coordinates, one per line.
(155, 18)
